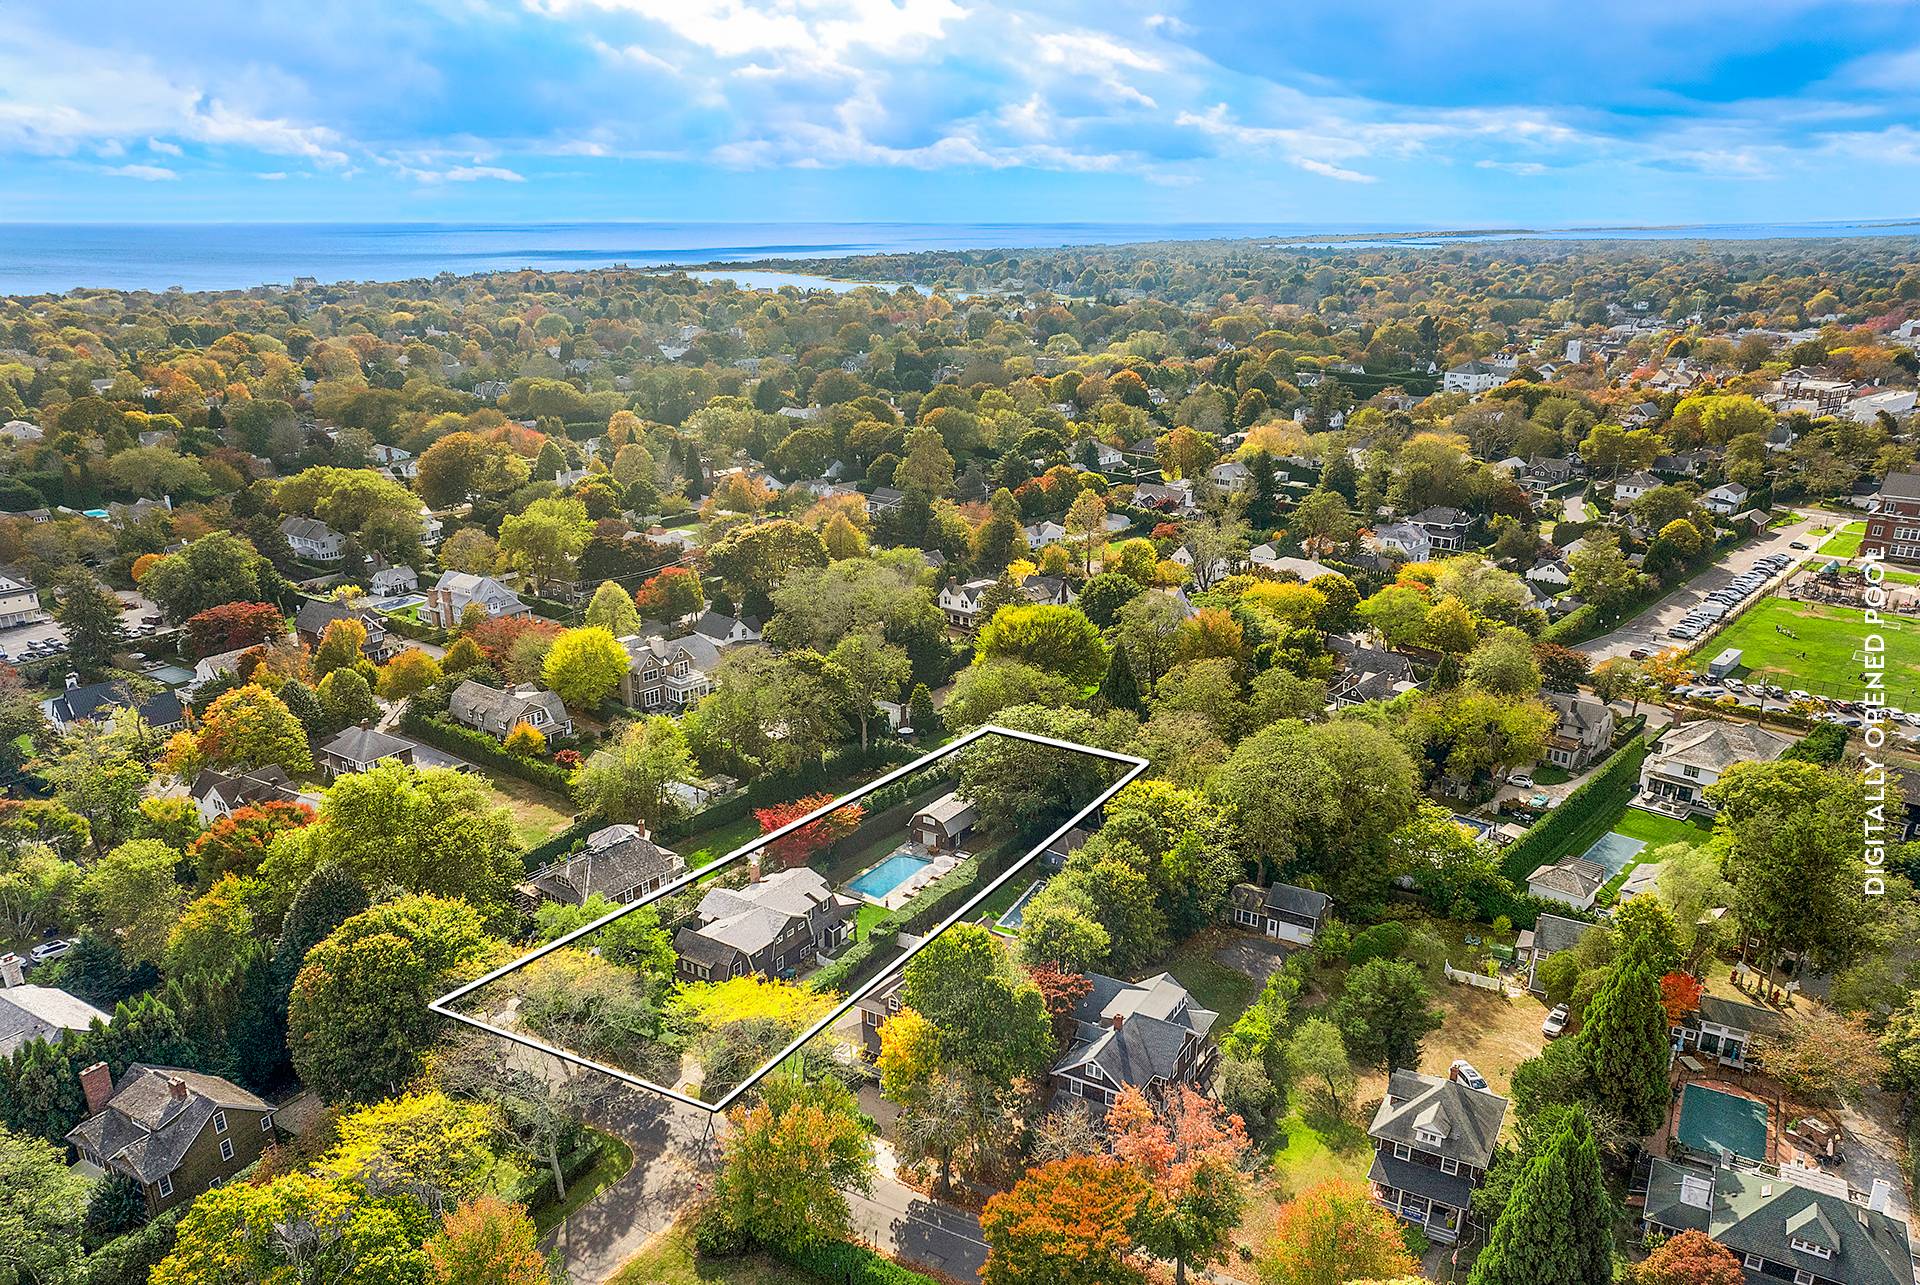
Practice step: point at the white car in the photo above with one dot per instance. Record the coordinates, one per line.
(1555, 1024)
(1521, 781)
(49, 951)
(1462, 1072)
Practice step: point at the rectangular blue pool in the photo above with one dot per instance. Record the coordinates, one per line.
(876, 881)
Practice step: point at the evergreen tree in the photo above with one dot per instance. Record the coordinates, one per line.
(46, 1097)
(1263, 491)
(144, 1030)
(330, 896)
(1119, 688)
(304, 705)
(90, 615)
(922, 716)
(1557, 1227)
(1624, 1045)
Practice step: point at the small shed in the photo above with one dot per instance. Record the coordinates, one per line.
(1725, 663)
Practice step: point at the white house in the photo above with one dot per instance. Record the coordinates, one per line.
(1403, 539)
(1726, 499)
(1472, 377)
(961, 601)
(1282, 912)
(312, 539)
(19, 604)
(1691, 758)
(1572, 881)
(1634, 485)
(455, 591)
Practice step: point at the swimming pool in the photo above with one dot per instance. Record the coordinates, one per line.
(877, 881)
(1017, 913)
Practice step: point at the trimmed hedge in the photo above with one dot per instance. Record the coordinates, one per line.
(1598, 797)
(840, 1262)
(556, 846)
(784, 787)
(443, 734)
(417, 630)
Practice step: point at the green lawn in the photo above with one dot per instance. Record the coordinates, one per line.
(1818, 655)
(1309, 1148)
(1657, 831)
(1844, 543)
(708, 846)
(537, 815)
(865, 918)
(670, 1260)
(1227, 991)
(616, 1157)
(1550, 774)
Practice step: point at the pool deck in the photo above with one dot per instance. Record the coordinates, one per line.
(937, 866)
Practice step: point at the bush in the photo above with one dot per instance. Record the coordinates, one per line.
(1562, 830)
(1382, 941)
(841, 1263)
(444, 734)
(715, 1236)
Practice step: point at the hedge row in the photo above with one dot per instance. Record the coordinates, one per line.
(785, 787)
(931, 905)
(840, 1262)
(417, 630)
(444, 734)
(555, 846)
(1599, 796)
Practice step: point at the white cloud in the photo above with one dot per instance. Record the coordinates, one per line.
(163, 147)
(273, 177)
(1322, 168)
(791, 30)
(145, 173)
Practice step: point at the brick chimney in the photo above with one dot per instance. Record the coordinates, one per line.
(753, 867)
(1119, 1020)
(177, 1087)
(96, 1082)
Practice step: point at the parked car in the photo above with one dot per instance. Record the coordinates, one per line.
(1798, 544)
(46, 952)
(1555, 1024)
(1462, 1072)
(1521, 780)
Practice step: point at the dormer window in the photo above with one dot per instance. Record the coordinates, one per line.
(1808, 1247)
(1427, 1137)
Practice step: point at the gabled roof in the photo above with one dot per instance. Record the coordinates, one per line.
(97, 700)
(1466, 1120)
(1576, 877)
(1155, 1017)
(1717, 746)
(1289, 899)
(1763, 1214)
(29, 1012)
(1554, 933)
(616, 859)
(269, 782)
(154, 1116)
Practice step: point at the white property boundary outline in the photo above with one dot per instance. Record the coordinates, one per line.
(444, 1005)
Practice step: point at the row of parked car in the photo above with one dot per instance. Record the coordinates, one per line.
(1723, 601)
(1826, 709)
(36, 649)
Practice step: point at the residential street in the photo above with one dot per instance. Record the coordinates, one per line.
(668, 1168)
(1648, 630)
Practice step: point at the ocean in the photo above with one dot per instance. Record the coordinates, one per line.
(40, 258)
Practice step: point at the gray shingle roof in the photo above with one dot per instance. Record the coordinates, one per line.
(1467, 1120)
(29, 1013)
(147, 1127)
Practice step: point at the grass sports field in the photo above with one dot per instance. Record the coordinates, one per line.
(1819, 655)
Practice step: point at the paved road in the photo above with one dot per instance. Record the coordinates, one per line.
(669, 1165)
(1649, 629)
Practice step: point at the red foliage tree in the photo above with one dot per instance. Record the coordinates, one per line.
(237, 842)
(1062, 990)
(673, 593)
(1680, 992)
(495, 638)
(1068, 1221)
(794, 849)
(1690, 1259)
(234, 625)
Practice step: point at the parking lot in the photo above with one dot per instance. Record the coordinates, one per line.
(139, 616)
(1648, 631)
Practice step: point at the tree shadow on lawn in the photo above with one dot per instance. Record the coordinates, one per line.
(1313, 1144)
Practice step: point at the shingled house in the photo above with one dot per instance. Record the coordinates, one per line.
(496, 713)
(774, 926)
(1146, 1035)
(177, 1133)
(1282, 912)
(1433, 1140)
(621, 863)
(1802, 1226)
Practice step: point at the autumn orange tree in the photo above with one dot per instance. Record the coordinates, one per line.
(486, 1241)
(238, 842)
(1680, 993)
(1691, 1258)
(1065, 1223)
(1332, 1233)
(1189, 1153)
(796, 848)
(1061, 990)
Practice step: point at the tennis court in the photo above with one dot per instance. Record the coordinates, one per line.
(1614, 851)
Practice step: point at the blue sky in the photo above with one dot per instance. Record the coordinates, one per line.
(1440, 114)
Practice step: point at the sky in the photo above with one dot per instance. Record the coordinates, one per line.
(1404, 113)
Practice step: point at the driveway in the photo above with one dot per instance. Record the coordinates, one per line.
(1648, 630)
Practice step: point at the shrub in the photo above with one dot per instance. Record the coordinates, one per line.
(1382, 941)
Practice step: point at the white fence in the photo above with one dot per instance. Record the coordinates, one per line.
(1479, 980)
